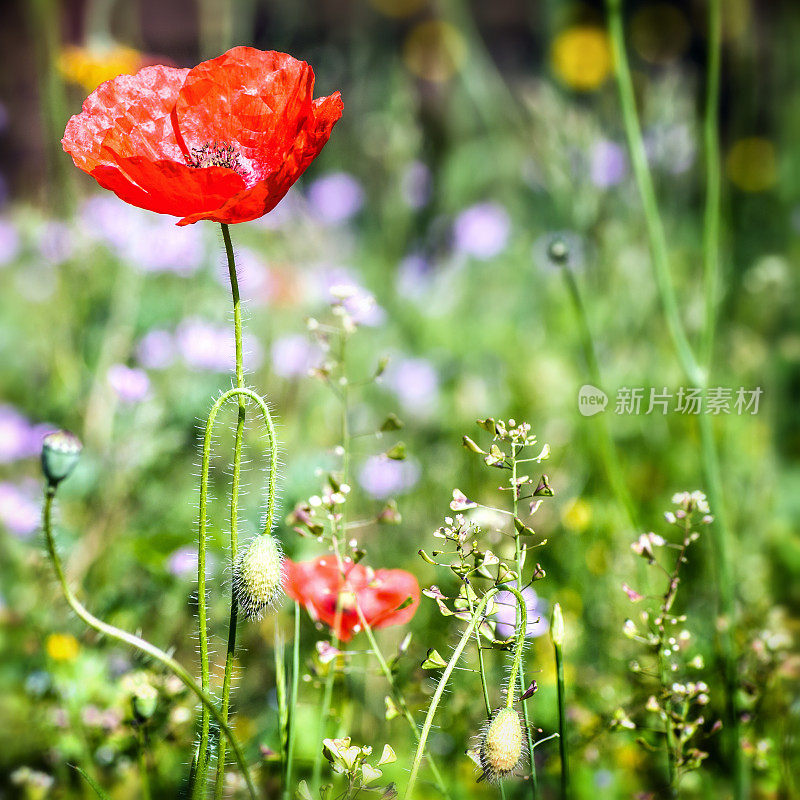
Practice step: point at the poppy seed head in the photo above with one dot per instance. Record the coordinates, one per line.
(501, 745)
(257, 575)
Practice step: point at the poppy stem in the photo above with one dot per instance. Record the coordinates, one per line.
(137, 642)
(722, 535)
(398, 696)
(437, 696)
(200, 765)
(235, 480)
(520, 559)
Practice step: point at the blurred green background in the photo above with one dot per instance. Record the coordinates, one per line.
(474, 135)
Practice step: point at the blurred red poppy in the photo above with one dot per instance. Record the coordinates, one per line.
(385, 596)
(223, 141)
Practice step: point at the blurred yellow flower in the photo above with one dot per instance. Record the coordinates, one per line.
(577, 515)
(752, 164)
(597, 558)
(581, 57)
(89, 68)
(434, 50)
(61, 646)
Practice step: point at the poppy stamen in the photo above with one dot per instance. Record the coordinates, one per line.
(216, 155)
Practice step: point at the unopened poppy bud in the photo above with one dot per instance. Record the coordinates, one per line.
(257, 575)
(60, 453)
(501, 744)
(557, 626)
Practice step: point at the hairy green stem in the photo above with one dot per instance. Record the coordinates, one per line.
(398, 696)
(287, 789)
(235, 480)
(201, 758)
(722, 533)
(520, 562)
(138, 643)
(437, 696)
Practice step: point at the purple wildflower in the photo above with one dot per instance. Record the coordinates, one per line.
(19, 438)
(608, 164)
(130, 384)
(505, 614)
(416, 384)
(294, 356)
(9, 242)
(383, 477)
(335, 198)
(182, 563)
(482, 230)
(205, 346)
(19, 511)
(156, 349)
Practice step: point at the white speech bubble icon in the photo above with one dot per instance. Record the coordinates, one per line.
(591, 400)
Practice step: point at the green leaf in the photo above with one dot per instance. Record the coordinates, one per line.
(433, 660)
(397, 453)
(92, 782)
(391, 423)
(303, 792)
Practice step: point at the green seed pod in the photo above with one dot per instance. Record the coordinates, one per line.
(257, 575)
(501, 745)
(60, 453)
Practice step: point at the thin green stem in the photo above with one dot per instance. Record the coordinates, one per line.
(327, 697)
(608, 452)
(522, 632)
(200, 770)
(138, 643)
(235, 480)
(562, 721)
(398, 696)
(437, 696)
(287, 789)
(696, 374)
(647, 193)
(145, 778)
(711, 216)
(520, 561)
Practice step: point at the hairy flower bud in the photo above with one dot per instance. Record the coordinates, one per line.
(501, 745)
(60, 453)
(257, 575)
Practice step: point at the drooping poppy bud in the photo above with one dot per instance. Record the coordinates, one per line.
(257, 575)
(60, 453)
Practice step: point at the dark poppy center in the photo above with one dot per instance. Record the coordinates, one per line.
(216, 154)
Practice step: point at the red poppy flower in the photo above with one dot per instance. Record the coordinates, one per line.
(385, 596)
(223, 141)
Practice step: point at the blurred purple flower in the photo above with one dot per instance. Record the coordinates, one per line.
(505, 614)
(608, 164)
(415, 185)
(335, 198)
(206, 346)
(482, 230)
(9, 242)
(156, 349)
(115, 224)
(130, 384)
(19, 511)
(19, 438)
(293, 356)
(56, 242)
(416, 384)
(383, 477)
(182, 563)
(168, 248)
(414, 276)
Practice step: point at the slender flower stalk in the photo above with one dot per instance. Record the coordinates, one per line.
(557, 638)
(138, 643)
(235, 480)
(520, 559)
(291, 734)
(694, 372)
(145, 778)
(516, 669)
(200, 766)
